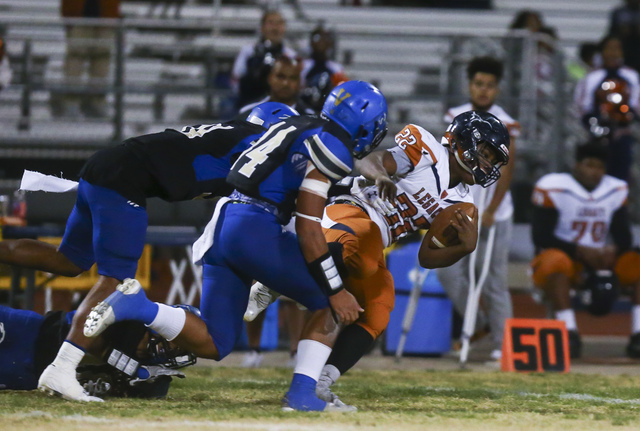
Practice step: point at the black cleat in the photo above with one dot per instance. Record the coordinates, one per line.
(575, 345)
(633, 348)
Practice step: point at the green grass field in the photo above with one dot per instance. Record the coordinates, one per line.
(239, 399)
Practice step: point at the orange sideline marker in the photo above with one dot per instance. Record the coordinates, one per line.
(535, 345)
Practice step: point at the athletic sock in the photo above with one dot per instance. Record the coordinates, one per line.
(568, 316)
(69, 355)
(312, 355)
(168, 321)
(352, 344)
(635, 319)
(330, 374)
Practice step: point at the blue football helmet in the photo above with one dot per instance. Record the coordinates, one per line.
(360, 109)
(268, 113)
(471, 132)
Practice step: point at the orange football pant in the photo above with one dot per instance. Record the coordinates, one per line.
(369, 279)
(553, 261)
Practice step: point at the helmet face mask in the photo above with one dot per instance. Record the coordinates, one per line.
(361, 110)
(159, 351)
(481, 145)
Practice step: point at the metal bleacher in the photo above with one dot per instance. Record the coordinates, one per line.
(171, 66)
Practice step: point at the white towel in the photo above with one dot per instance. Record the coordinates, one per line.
(35, 181)
(204, 243)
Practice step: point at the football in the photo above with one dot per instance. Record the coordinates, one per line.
(445, 235)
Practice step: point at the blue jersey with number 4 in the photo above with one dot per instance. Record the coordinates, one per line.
(273, 169)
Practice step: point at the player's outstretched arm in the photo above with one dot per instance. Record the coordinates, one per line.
(310, 206)
(443, 257)
(379, 166)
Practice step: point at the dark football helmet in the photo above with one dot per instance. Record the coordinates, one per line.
(469, 134)
(601, 289)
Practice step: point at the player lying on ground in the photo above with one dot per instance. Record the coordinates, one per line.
(134, 361)
(417, 179)
(289, 170)
(108, 223)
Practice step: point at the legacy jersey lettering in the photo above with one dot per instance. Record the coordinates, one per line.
(273, 169)
(583, 217)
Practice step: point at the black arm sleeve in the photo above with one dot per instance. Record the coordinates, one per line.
(542, 227)
(621, 229)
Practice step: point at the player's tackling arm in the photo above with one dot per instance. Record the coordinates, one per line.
(443, 257)
(309, 209)
(379, 166)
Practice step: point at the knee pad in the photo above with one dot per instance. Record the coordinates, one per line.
(549, 262)
(628, 268)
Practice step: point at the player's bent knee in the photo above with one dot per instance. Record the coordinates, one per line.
(628, 268)
(224, 342)
(548, 263)
(377, 320)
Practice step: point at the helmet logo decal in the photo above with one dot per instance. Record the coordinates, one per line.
(476, 134)
(340, 98)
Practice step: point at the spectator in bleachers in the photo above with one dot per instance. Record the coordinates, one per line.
(283, 85)
(86, 44)
(574, 213)
(484, 74)
(625, 23)
(527, 19)
(5, 68)
(588, 59)
(250, 73)
(319, 72)
(607, 103)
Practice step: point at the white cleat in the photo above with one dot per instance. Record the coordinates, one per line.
(252, 359)
(99, 319)
(61, 381)
(334, 403)
(103, 315)
(259, 299)
(339, 406)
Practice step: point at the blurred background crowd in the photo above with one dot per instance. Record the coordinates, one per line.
(77, 75)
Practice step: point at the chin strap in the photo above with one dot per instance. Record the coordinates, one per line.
(464, 166)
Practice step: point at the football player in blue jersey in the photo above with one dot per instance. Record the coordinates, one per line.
(134, 361)
(288, 171)
(108, 224)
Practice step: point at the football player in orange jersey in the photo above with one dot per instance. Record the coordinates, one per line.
(400, 191)
(573, 215)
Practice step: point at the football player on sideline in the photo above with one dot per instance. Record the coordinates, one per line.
(289, 171)
(401, 191)
(108, 223)
(574, 213)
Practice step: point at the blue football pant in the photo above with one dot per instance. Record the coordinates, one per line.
(106, 228)
(250, 244)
